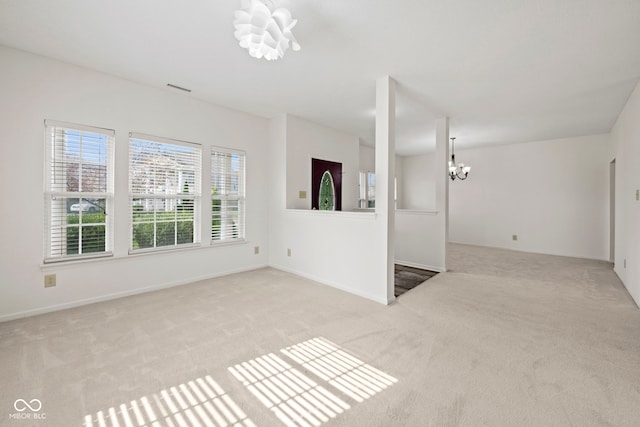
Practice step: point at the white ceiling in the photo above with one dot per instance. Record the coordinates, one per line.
(504, 71)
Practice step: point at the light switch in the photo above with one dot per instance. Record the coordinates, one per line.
(302, 194)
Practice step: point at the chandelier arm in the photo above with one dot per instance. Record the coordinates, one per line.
(459, 171)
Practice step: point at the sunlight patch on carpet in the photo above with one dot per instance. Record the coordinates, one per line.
(299, 401)
(345, 372)
(200, 402)
(293, 397)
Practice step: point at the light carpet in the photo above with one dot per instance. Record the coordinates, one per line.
(504, 339)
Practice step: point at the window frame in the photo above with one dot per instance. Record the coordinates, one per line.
(174, 197)
(367, 190)
(56, 200)
(240, 197)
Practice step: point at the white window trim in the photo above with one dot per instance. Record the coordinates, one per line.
(50, 127)
(366, 189)
(241, 198)
(197, 195)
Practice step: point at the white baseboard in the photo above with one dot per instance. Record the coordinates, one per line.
(637, 302)
(420, 266)
(87, 301)
(334, 285)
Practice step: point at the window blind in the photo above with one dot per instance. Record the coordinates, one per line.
(367, 190)
(227, 195)
(78, 191)
(165, 188)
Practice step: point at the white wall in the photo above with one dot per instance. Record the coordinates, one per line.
(399, 180)
(417, 221)
(418, 182)
(417, 224)
(339, 249)
(417, 238)
(368, 164)
(33, 89)
(367, 158)
(553, 194)
(625, 138)
(307, 140)
(334, 248)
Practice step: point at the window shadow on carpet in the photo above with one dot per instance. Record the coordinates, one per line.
(407, 278)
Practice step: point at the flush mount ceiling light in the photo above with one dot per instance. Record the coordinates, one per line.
(265, 32)
(457, 170)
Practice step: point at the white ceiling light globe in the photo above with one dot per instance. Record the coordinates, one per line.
(264, 33)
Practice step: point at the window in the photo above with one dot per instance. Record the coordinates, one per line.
(227, 195)
(78, 191)
(367, 190)
(164, 186)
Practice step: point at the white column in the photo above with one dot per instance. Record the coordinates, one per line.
(385, 173)
(442, 186)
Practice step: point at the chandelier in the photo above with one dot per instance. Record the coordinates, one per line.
(457, 170)
(265, 32)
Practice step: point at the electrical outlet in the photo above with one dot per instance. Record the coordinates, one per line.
(256, 250)
(514, 237)
(49, 280)
(288, 251)
(637, 194)
(302, 194)
(624, 263)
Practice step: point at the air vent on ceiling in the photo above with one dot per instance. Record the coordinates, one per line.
(179, 87)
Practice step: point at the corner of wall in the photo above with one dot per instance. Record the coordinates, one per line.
(624, 138)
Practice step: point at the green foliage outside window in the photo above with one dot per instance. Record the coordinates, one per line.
(165, 230)
(216, 217)
(92, 229)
